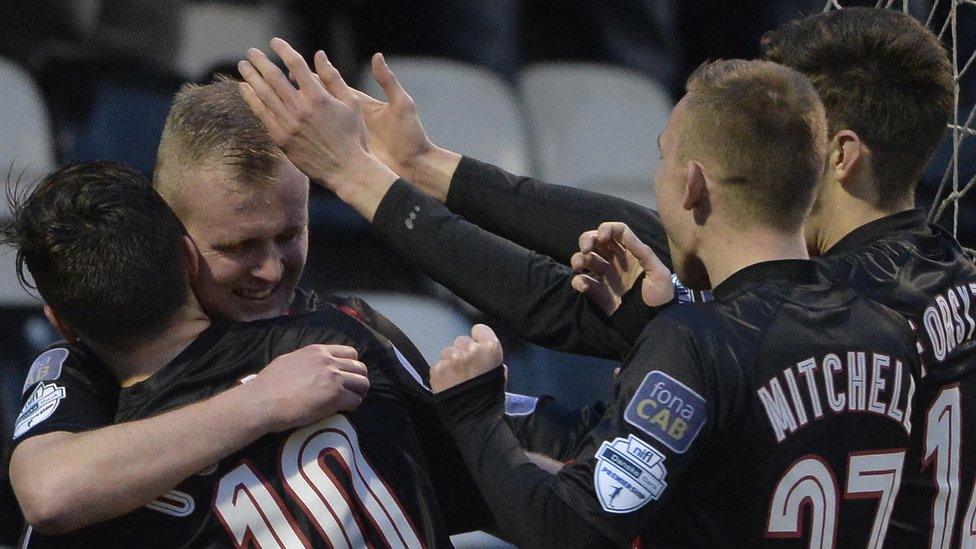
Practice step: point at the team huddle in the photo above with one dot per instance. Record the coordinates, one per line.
(796, 339)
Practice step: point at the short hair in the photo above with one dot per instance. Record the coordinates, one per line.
(104, 250)
(762, 127)
(881, 74)
(210, 125)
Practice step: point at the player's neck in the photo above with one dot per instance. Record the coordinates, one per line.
(733, 250)
(846, 213)
(130, 365)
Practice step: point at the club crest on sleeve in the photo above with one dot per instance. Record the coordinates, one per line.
(38, 407)
(629, 474)
(46, 367)
(668, 410)
(519, 405)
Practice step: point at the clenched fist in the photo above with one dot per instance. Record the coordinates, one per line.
(467, 358)
(307, 385)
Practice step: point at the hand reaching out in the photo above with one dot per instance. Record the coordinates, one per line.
(609, 262)
(467, 358)
(319, 125)
(393, 128)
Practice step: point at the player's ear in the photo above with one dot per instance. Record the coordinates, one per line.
(696, 186)
(192, 257)
(67, 332)
(844, 155)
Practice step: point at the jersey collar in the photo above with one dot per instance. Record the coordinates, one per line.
(798, 271)
(873, 231)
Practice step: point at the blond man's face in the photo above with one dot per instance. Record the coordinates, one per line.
(252, 240)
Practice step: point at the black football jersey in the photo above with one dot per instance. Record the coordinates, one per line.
(355, 479)
(777, 415)
(919, 270)
(68, 388)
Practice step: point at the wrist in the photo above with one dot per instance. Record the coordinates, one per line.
(433, 171)
(364, 183)
(254, 409)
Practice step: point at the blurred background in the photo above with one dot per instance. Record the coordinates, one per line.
(574, 92)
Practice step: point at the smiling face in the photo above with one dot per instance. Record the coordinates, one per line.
(252, 239)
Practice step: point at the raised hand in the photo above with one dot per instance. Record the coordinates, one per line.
(309, 384)
(319, 125)
(609, 262)
(467, 358)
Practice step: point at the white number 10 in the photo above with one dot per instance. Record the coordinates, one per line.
(253, 514)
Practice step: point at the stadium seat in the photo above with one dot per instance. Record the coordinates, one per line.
(26, 144)
(464, 108)
(431, 324)
(216, 34)
(596, 126)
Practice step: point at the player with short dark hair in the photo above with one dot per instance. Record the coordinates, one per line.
(718, 410)
(351, 479)
(721, 415)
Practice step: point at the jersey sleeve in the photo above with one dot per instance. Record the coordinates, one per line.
(663, 417)
(544, 217)
(527, 291)
(544, 426)
(67, 389)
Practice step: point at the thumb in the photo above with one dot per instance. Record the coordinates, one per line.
(483, 334)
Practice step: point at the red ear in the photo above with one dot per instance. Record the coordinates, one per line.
(67, 332)
(849, 150)
(192, 256)
(695, 186)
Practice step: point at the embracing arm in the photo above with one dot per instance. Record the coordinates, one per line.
(68, 480)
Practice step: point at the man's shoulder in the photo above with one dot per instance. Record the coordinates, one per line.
(69, 363)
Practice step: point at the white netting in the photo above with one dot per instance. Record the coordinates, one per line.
(943, 18)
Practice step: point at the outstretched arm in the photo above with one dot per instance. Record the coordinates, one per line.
(68, 480)
(542, 217)
(317, 130)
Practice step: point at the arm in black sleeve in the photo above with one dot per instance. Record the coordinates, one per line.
(544, 426)
(544, 217)
(616, 483)
(529, 292)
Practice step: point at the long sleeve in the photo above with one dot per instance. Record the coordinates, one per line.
(529, 292)
(623, 476)
(544, 217)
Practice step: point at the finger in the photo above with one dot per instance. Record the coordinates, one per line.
(263, 91)
(296, 65)
(483, 334)
(620, 232)
(587, 241)
(332, 80)
(349, 400)
(387, 80)
(262, 111)
(610, 231)
(352, 366)
(341, 351)
(595, 290)
(355, 383)
(271, 74)
(593, 263)
(447, 353)
(646, 257)
(581, 283)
